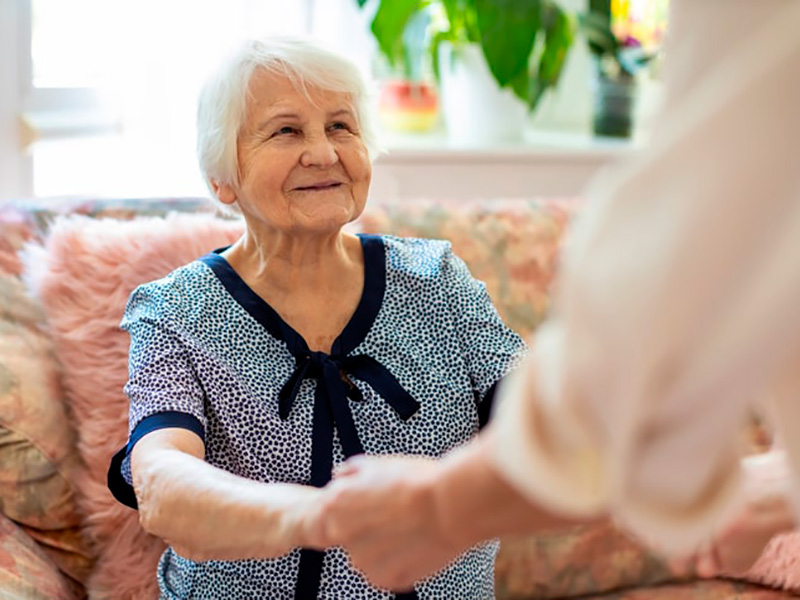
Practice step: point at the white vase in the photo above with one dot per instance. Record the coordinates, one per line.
(476, 110)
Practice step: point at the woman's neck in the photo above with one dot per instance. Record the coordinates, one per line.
(291, 263)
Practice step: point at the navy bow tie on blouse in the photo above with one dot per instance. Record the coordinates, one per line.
(332, 409)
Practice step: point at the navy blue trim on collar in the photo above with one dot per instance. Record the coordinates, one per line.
(353, 333)
(246, 297)
(333, 390)
(371, 299)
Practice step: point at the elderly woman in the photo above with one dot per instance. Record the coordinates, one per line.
(259, 367)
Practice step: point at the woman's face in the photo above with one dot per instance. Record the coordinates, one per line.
(303, 166)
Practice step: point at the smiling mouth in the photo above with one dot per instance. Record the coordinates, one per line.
(324, 185)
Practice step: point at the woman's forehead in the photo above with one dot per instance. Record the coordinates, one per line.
(272, 92)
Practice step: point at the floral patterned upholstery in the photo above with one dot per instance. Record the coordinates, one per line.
(510, 245)
(697, 590)
(26, 573)
(38, 458)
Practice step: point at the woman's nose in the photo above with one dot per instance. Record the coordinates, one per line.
(319, 151)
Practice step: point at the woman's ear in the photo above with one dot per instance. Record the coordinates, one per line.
(224, 192)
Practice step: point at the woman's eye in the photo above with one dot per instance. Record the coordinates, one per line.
(339, 126)
(285, 131)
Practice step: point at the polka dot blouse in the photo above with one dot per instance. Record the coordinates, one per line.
(413, 372)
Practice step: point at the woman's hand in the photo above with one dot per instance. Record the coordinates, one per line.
(403, 518)
(384, 512)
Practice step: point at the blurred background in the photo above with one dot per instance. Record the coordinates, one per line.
(97, 97)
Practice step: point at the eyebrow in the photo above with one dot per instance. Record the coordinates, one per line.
(294, 116)
(340, 112)
(277, 117)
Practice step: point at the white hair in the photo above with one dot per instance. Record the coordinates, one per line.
(223, 98)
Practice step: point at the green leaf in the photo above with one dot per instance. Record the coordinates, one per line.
(453, 11)
(508, 31)
(361, 3)
(521, 85)
(559, 35)
(601, 8)
(472, 27)
(633, 60)
(461, 15)
(597, 30)
(388, 26)
(436, 41)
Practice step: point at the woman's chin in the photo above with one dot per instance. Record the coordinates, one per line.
(326, 219)
(321, 225)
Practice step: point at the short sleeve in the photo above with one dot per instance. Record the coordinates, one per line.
(490, 348)
(162, 388)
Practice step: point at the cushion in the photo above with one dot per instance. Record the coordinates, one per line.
(697, 590)
(583, 560)
(38, 460)
(14, 232)
(83, 276)
(26, 573)
(779, 565)
(510, 245)
(30, 219)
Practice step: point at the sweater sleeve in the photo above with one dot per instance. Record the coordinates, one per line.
(678, 295)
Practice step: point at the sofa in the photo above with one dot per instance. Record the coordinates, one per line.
(66, 269)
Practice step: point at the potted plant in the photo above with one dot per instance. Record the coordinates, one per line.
(408, 101)
(482, 51)
(623, 45)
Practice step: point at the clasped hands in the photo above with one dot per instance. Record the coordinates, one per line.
(401, 520)
(385, 512)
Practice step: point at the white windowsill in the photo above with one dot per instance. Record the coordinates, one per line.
(536, 145)
(543, 164)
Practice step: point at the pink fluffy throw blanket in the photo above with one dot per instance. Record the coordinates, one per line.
(83, 276)
(779, 565)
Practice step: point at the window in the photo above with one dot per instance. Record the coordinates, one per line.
(108, 87)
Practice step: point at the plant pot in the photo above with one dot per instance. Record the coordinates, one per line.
(614, 106)
(408, 106)
(475, 110)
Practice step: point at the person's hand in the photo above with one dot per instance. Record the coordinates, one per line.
(737, 546)
(403, 518)
(765, 511)
(383, 511)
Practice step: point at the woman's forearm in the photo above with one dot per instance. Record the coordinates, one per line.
(207, 513)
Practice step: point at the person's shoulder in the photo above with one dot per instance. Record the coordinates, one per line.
(176, 282)
(168, 294)
(421, 256)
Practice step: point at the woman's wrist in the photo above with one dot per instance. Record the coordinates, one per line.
(291, 505)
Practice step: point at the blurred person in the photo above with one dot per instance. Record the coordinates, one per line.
(676, 311)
